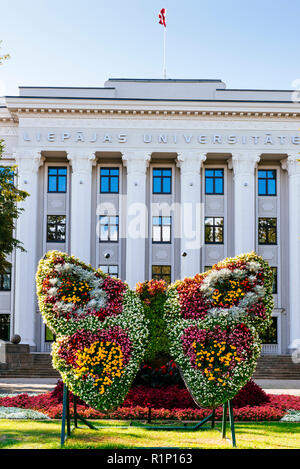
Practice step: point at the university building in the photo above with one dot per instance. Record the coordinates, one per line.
(154, 179)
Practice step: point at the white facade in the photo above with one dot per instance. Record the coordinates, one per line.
(183, 127)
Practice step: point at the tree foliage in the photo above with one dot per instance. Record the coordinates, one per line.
(9, 211)
(4, 56)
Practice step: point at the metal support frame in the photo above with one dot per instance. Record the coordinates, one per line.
(66, 419)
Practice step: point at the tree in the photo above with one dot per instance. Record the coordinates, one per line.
(9, 212)
(3, 57)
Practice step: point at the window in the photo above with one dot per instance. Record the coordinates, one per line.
(207, 268)
(49, 336)
(267, 231)
(57, 180)
(111, 270)
(56, 229)
(4, 327)
(161, 229)
(214, 181)
(275, 288)
(109, 180)
(162, 181)
(270, 336)
(109, 228)
(5, 280)
(161, 272)
(266, 182)
(214, 230)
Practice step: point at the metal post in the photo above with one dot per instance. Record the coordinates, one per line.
(224, 418)
(213, 418)
(63, 418)
(68, 413)
(231, 419)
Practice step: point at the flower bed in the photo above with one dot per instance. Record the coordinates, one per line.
(138, 400)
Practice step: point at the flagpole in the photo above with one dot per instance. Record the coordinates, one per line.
(164, 66)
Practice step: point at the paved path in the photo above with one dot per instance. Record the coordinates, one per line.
(35, 385)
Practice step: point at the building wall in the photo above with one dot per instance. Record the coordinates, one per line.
(85, 136)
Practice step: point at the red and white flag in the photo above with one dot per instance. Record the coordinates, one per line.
(162, 17)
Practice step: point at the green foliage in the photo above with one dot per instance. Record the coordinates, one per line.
(153, 296)
(9, 212)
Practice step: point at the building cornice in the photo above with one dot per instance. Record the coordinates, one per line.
(154, 109)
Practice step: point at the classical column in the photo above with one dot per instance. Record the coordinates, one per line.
(292, 165)
(81, 200)
(136, 216)
(191, 211)
(28, 162)
(243, 165)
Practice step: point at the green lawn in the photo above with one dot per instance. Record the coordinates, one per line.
(46, 435)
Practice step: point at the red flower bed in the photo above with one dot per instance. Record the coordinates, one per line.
(173, 402)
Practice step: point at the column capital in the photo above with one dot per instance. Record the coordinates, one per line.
(136, 162)
(28, 160)
(291, 164)
(81, 161)
(243, 163)
(190, 161)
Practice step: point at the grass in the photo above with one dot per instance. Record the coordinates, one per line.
(46, 435)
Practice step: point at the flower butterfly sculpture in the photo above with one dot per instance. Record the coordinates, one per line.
(101, 332)
(213, 323)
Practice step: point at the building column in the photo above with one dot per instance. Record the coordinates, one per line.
(191, 211)
(244, 165)
(292, 165)
(28, 162)
(136, 216)
(81, 204)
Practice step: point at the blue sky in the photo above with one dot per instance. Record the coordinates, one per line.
(252, 44)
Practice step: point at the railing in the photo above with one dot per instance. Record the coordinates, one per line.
(270, 349)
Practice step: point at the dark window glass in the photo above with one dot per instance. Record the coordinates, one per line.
(275, 280)
(266, 182)
(5, 280)
(267, 231)
(109, 228)
(4, 327)
(57, 179)
(111, 270)
(161, 229)
(214, 233)
(214, 181)
(49, 336)
(162, 181)
(109, 180)
(270, 336)
(161, 272)
(56, 229)
(207, 267)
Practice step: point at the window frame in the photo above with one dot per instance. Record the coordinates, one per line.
(214, 181)
(109, 225)
(63, 224)
(109, 176)
(275, 280)
(161, 226)
(108, 268)
(267, 232)
(266, 179)
(6, 274)
(57, 178)
(161, 275)
(162, 177)
(213, 228)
